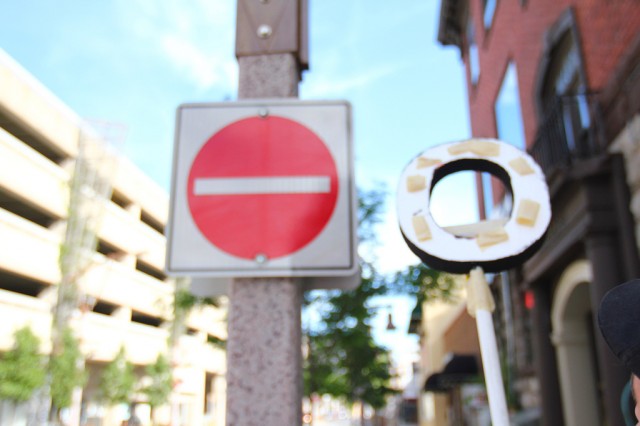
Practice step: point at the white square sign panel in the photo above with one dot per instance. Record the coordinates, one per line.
(263, 188)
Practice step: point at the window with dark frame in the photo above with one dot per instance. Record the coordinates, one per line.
(565, 108)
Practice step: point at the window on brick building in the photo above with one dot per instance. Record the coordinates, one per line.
(565, 106)
(489, 9)
(511, 130)
(562, 76)
(495, 209)
(487, 194)
(507, 109)
(474, 58)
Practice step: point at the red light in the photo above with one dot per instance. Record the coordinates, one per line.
(529, 300)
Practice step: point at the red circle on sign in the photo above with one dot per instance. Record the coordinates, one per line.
(262, 186)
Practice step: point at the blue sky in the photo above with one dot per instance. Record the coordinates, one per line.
(134, 61)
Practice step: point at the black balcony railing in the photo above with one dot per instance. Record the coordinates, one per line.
(571, 130)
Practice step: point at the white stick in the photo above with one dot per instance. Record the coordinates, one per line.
(492, 370)
(480, 305)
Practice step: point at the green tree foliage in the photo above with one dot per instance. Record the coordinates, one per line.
(159, 389)
(185, 300)
(22, 369)
(370, 205)
(425, 284)
(343, 359)
(66, 369)
(183, 303)
(217, 342)
(117, 381)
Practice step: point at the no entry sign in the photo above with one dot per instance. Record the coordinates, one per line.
(270, 180)
(262, 189)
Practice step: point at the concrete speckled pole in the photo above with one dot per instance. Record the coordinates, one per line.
(268, 76)
(264, 372)
(264, 375)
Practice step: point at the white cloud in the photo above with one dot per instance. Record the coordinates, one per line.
(204, 69)
(196, 38)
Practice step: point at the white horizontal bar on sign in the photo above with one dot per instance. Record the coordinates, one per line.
(263, 185)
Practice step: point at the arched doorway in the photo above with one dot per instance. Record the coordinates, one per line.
(572, 337)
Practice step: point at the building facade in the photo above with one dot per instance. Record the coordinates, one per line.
(560, 79)
(125, 297)
(450, 367)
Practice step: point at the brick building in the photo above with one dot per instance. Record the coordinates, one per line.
(560, 79)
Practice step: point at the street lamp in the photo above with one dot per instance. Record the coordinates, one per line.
(390, 325)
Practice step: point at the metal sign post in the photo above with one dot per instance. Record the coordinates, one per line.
(263, 196)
